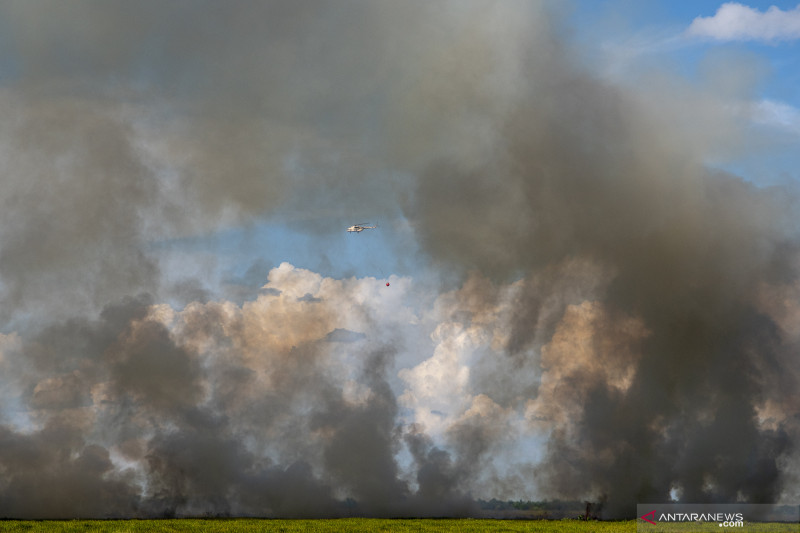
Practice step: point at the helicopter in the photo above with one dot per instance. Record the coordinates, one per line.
(359, 228)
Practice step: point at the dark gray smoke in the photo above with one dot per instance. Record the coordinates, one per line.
(624, 326)
(660, 378)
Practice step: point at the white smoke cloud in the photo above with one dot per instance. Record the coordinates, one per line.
(340, 322)
(266, 373)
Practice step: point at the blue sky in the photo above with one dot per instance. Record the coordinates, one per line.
(632, 35)
(659, 31)
(664, 20)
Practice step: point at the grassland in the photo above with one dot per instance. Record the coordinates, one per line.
(316, 526)
(354, 525)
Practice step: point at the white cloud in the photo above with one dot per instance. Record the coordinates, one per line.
(737, 22)
(777, 114)
(771, 117)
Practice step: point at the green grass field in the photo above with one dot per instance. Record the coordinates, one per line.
(366, 524)
(316, 526)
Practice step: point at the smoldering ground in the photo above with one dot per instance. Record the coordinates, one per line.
(624, 327)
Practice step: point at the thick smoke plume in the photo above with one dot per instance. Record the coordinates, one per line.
(618, 321)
